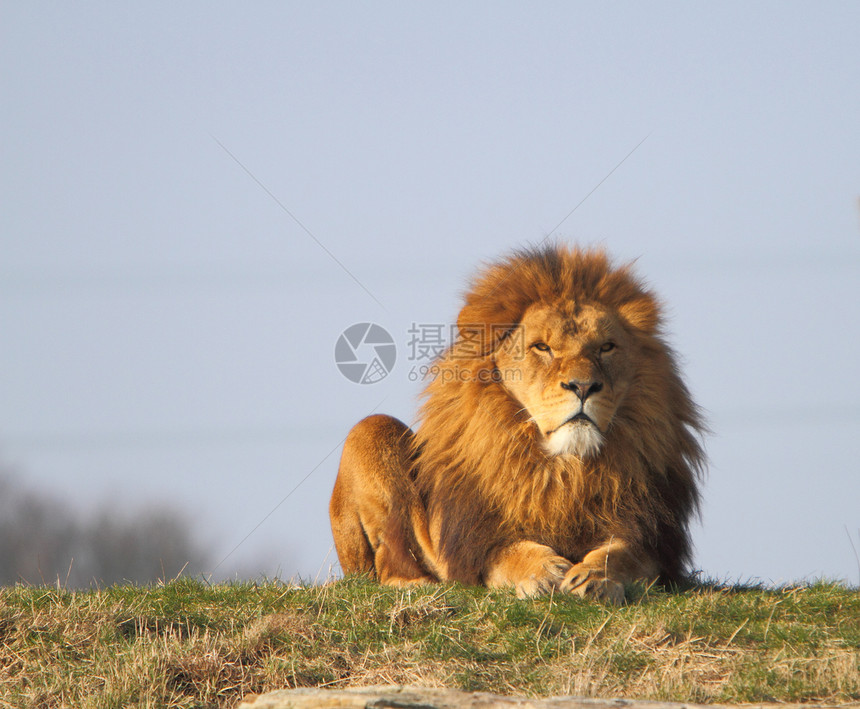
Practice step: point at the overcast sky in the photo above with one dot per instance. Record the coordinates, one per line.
(198, 198)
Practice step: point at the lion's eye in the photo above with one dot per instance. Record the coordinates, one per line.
(607, 347)
(541, 346)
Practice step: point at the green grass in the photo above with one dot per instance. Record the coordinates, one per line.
(188, 644)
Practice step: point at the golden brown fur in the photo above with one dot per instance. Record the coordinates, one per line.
(558, 447)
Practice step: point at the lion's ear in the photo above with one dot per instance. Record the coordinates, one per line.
(642, 313)
(482, 327)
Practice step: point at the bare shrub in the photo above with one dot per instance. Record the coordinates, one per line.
(45, 540)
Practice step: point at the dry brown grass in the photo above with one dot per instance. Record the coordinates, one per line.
(190, 645)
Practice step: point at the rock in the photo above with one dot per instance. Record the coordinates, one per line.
(420, 698)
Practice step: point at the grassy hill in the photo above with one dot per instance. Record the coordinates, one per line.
(188, 644)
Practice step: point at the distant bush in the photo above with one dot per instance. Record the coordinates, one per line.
(45, 540)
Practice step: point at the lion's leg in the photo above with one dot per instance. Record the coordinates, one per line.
(353, 546)
(603, 572)
(376, 517)
(532, 569)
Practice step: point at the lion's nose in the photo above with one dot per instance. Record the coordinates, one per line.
(583, 389)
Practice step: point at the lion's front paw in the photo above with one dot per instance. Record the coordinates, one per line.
(547, 578)
(399, 582)
(532, 569)
(591, 583)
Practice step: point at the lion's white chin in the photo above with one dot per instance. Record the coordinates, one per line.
(577, 438)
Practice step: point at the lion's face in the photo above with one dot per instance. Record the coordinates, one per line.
(570, 367)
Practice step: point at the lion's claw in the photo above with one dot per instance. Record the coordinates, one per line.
(551, 577)
(590, 583)
(574, 579)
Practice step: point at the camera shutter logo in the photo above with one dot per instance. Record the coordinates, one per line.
(365, 353)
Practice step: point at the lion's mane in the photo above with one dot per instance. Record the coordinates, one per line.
(481, 468)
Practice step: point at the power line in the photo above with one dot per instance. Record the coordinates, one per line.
(83, 441)
(301, 225)
(62, 283)
(821, 414)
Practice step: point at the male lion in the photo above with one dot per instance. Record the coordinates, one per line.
(558, 447)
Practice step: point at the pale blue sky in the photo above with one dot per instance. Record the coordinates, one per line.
(168, 330)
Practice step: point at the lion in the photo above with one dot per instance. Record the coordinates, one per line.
(558, 449)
